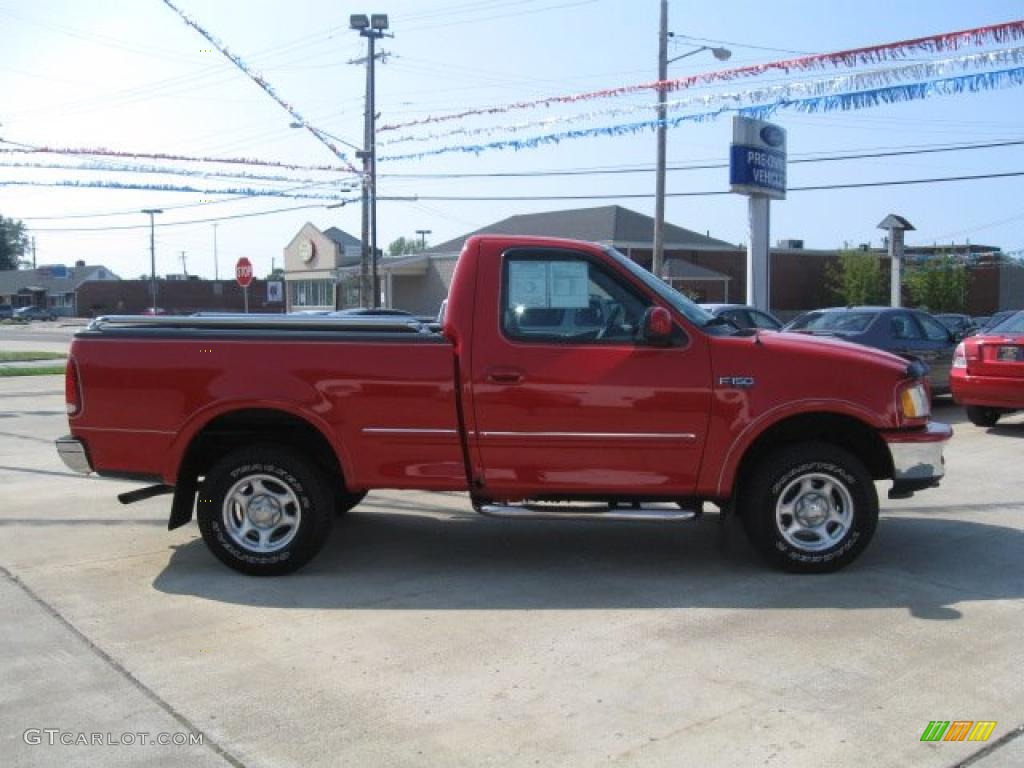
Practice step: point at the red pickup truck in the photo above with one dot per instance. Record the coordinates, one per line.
(565, 381)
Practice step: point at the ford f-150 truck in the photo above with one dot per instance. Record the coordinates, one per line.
(564, 381)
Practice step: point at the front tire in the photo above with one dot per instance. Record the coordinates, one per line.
(265, 511)
(809, 508)
(983, 417)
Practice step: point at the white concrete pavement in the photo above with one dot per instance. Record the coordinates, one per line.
(424, 635)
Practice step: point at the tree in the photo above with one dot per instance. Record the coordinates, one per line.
(857, 278)
(406, 245)
(13, 243)
(940, 284)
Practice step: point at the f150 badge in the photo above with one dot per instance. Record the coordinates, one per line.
(737, 382)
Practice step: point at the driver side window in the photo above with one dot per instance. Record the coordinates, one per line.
(560, 296)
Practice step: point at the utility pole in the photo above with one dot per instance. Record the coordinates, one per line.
(372, 28)
(152, 253)
(33, 253)
(216, 274)
(658, 250)
(184, 267)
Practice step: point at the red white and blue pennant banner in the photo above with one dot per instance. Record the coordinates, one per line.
(1006, 78)
(998, 34)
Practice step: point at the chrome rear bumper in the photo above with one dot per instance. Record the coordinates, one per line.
(74, 455)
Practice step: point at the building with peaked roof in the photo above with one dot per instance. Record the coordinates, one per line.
(312, 264)
(630, 232)
(627, 231)
(54, 286)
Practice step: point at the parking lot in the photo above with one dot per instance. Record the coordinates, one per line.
(425, 635)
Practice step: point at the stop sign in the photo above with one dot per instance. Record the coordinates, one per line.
(243, 272)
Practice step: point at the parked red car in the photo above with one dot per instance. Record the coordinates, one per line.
(988, 372)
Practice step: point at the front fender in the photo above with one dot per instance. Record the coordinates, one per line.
(741, 444)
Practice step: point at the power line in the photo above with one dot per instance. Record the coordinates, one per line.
(706, 166)
(708, 193)
(190, 221)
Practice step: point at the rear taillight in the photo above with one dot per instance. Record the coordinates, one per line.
(72, 389)
(960, 356)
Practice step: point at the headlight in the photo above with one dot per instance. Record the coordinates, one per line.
(914, 402)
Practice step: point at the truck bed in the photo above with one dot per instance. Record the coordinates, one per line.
(154, 383)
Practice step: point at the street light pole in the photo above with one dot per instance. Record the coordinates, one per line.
(216, 272)
(372, 28)
(423, 237)
(658, 252)
(152, 253)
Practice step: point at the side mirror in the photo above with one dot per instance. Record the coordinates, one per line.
(657, 327)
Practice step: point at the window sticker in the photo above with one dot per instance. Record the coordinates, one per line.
(548, 285)
(568, 286)
(528, 284)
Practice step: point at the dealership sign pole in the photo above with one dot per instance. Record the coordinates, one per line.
(243, 274)
(757, 168)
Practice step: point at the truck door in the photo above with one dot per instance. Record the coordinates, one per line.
(565, 398)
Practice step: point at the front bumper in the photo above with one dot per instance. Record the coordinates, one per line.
(917, 459)
(73, 453)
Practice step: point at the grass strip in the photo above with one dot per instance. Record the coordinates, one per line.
(25, 357)
(42, 370)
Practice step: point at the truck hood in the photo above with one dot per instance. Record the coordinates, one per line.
(758, 374)
(832, 347)
(794, 365)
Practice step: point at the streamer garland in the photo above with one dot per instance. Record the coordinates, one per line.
(1006, 78)
(238, 191)
(949, 41)
(262, 83)
(25, 149)
(803, 89)
(158, 170)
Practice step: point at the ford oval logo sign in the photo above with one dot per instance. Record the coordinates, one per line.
(772, 135)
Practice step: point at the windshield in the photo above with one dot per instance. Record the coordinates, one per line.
(686, 307)
(833, 322)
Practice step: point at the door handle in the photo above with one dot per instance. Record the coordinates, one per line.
(505, 376)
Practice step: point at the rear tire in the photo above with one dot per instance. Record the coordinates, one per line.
(983, 417)
(809, 508)
(265, 511)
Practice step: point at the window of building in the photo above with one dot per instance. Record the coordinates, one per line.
(311, 293)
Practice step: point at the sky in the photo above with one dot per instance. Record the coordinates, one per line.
(131, 76)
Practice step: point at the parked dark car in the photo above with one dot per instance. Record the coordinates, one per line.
(960, 325)
(745, 316)
(909, 333)
(34, 313)
(6, 311)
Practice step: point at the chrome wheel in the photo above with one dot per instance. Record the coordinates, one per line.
(814, 512)
(261, 513)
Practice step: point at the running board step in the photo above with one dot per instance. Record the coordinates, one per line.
(641, 513)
